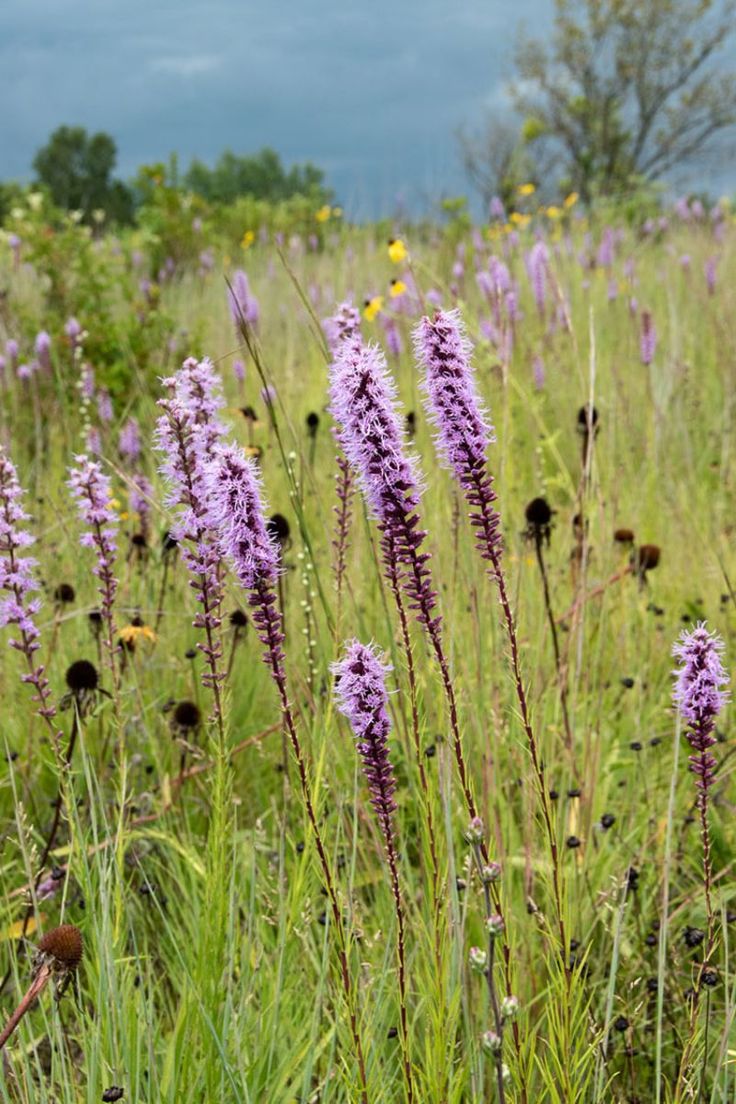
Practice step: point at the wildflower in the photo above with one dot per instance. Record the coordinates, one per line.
(397, 250)
(526, 190)
(553, 212)
(570, 200)
(42, 348)
(397, 288)
(324, 213)
(490, 873)
(494, 926)
(244, 306)
(648, 345)
(186, 717)
(248, 238)
(236, 513)
(372, 307)
(478, 959)
(536, 262)
(491, 1043)
(132, 634)
(90, 486)
(700, 695)
(519, 219)
(344, 324)
(510, 1007)
(129, 441)
(475, 833)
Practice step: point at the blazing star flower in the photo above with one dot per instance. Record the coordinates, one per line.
(129, 441)
(537, 261)
(344, 324)
(42, 347)
(90, 486)
(104, 405)
(12, 349)
(699, 695)
(237, 515)
(648, 345)
(360, 685)
(455, 408)
(243, 303)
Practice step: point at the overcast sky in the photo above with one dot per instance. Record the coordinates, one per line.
(372, 91)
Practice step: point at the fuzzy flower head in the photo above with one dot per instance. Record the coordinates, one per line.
(129, 441)
(455, 407)
(360, 687)
(699, 692)
(344, 324)
(17, 578)
(242, 302)
(237, 515)
(370, 430)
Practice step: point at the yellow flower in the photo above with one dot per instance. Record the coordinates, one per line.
(519, 219)
(131, 634)
(248, 238)
(324, 213)
(337, 212)
(570, 200)
(372, 307)
(553, 212)
(398, 287)
(526, 189)
(397, 251)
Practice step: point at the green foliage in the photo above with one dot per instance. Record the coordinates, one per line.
(260, 176)
(76, 168)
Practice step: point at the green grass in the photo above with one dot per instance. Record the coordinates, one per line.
(210, 971)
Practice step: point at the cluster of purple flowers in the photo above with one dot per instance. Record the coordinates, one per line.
(700, 695)
(92, 490)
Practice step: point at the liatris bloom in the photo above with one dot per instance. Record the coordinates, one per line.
(361, 696)
(140, 496)
(90, 487)
(648, 338)
(186, 434)
(18, 582)
(344, 323)
(243, 304)
(237, 515)
(537, 261)
(710, 274)
(463, 430)
(129, 442)
(700, 696)
(42, 347)
(12, 349)
(104, 405)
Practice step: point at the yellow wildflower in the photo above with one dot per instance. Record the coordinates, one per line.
(519, 219)
(553, 212)
(372, 307)
(248, 238)
(324, 213)
(397, 251)
(526, 189)
(131, 634)
(398, 287)
(570, 200)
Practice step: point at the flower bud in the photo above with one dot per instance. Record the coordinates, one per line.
(509, 1007)
(494, 926)
(474, 831)
(490, 873)
(491, 1042)
(478, 960)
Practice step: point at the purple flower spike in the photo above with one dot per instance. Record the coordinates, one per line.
(454, 406)
(648, 338)
(237, 515)
(129, 442)
(362, 697)
(699, 694)
(344, 324)
(243, 303)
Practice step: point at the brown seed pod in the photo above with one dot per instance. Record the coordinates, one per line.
(647, 557)
(64, 944)
(624, 536)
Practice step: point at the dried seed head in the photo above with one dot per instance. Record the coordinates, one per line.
(81, 676)
(647, 557)
(538, 513)
(238, 619)
(64, 944)
(64, 593)
(187, 715)
(278, 528)
(624, 536)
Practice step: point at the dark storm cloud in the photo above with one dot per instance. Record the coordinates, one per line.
(374, 93)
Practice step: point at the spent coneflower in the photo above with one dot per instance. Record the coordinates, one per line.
(58, 955)
(360, 685)
(699, 695)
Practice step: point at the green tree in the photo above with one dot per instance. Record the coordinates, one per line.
(261, 175)
(76, 168)
(625, 91)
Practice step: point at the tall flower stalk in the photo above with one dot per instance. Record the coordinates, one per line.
(91, 488)
(699, 695)
(237, 515)
(362, 698)
(464, 434)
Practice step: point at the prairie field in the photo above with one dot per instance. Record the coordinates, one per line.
(271, 910)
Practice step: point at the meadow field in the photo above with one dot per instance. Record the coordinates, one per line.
(510, 886)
